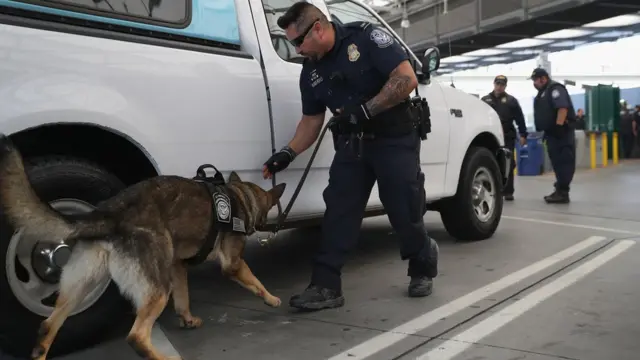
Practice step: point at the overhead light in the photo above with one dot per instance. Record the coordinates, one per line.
(528, 52)
(568, 43)
(613, 34)
(524, 43)
(496, 58)
(485, 52)
(456, 59)
(466, 65)
(380, 2)
(617, 21)
(565, 34)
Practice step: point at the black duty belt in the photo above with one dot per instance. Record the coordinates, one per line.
(223, 209)
(396, 121)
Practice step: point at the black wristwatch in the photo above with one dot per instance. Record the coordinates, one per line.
(289, 151)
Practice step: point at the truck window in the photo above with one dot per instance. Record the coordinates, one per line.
(345, 11)
(273, 9)
(174, 12)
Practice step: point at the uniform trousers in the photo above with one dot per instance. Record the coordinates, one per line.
(394, 162)
(562, 153)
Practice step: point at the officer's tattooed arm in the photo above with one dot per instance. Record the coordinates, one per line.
(402, 81)
(307, 132)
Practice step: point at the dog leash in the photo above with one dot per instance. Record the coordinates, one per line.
(282, 215)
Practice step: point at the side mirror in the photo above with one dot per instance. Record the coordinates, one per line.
(431, 60)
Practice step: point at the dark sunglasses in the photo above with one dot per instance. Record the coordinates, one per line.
(300, 39)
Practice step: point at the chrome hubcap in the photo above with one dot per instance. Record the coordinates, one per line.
(34, 267)
(483, 196)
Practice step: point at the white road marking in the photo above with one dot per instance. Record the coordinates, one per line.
(579, 226)
(159, 339)
(466, 339)
(422, 322)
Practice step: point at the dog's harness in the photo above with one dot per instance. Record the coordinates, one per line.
(223, 207)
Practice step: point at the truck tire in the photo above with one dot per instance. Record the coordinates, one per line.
(474, 212)
(69, 185)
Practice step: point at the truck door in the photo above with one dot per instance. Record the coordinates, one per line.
(283, 66)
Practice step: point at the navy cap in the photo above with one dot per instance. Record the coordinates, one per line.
(500, 79)
(538, 73)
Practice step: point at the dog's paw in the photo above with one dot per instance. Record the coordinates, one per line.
(190, 323)
(273, 301)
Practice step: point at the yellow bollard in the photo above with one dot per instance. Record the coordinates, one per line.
(605, 149)
(614, 148)
(515, 158)
(592, 148)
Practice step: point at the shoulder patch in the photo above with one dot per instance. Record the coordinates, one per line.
(555, 93)
(381, 38)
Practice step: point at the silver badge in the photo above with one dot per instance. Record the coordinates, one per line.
(223, 207)
(381, 38)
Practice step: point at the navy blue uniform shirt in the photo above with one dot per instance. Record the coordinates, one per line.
(559, 97)
(354, 71)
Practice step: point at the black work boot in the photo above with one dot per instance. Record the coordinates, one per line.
(508, 197)
(557, 197)
(317, 298)
(420, 286)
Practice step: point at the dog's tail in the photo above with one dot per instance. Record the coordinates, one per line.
(27, 212)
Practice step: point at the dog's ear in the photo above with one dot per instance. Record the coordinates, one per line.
(234, 177)
(277, 192)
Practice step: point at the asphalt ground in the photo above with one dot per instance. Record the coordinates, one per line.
(555, 282)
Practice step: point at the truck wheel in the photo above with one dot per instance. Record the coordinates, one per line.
(28, 292)
(475, 211)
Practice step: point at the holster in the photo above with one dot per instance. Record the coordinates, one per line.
(422, 116)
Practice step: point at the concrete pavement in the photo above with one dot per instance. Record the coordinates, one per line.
(520, 295)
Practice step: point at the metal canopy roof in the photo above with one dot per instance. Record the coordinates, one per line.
(524, 49)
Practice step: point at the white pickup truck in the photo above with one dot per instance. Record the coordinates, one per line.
(100, 94)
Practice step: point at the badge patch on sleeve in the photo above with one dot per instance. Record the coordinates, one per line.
(555, 94)
(223, 207)
(381, 38)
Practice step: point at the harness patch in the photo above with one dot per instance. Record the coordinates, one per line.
(381, 38)
(223, 206)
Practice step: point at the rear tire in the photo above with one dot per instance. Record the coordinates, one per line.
(464, 216)
(56, 178)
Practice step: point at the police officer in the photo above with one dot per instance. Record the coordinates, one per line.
(361, 74)
(508, 108)
(554, 114)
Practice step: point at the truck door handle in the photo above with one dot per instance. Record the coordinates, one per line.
(456, 112)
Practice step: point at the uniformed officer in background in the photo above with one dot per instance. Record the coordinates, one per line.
(361, 74)
(554, 114)
(508, 108)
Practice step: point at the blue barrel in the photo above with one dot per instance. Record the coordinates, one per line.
(530, 158)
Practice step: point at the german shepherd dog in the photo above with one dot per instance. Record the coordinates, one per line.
(140, 238)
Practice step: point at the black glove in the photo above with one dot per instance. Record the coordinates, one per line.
(350, 119)
(355, 114)
(280, 160)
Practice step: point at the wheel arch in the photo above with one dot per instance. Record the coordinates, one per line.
(98, 144)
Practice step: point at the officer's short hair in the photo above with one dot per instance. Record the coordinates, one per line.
(302, 14)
